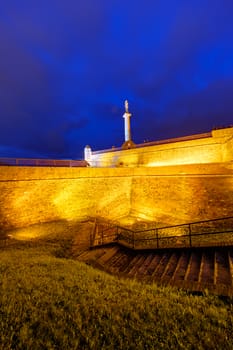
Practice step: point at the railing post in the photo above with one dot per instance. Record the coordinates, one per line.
(93, 233)
(90, 239)
(157, 237)
(190, 236)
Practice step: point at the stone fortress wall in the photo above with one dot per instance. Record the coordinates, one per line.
(213, 147)
(171, 182)
(32, 195)
(166, 195)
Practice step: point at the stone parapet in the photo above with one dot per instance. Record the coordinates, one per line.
(211, 147)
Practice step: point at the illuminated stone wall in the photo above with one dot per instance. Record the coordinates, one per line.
(181, 194)
(167, 195)
(30, 195)
(218, 147)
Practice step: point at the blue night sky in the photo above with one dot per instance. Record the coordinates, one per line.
(66, 68)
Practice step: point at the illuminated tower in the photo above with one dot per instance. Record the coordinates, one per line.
(128, 141)
(87, 153)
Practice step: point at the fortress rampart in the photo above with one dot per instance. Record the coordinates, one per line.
(167, 195)
(213, 147)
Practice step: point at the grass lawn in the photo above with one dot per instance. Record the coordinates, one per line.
(49, 302)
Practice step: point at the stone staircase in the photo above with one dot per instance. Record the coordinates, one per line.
(193, 269)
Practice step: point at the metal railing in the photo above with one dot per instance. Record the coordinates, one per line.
(195, 234)
(42, 162)
(104, 236)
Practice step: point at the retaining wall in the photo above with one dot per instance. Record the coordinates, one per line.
(167, 195)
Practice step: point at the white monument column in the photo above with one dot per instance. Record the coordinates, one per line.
(127, 116)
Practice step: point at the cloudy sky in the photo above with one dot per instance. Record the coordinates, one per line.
(66, 67)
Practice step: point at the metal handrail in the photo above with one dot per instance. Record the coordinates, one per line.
(182, 236)
(188, 223)
(129, 236)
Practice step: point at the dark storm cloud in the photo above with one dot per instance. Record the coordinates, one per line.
(67, 66)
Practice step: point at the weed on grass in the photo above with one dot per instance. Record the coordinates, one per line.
(48, 302)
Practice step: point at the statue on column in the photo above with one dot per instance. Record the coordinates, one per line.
(128, 140)
(126, 106)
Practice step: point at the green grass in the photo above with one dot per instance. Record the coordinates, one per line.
(49, 302)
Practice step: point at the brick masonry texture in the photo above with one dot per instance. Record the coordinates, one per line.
(166, 195)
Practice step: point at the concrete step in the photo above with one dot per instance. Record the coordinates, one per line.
(120, 263)
(79, 252)
(117, 260)
(154, 263)
(193, 269)
(134, 270)
(133, 260)
(222, 273)
(160, 268)
(109, 253)
(83, 254)
(91, 255)
(182, 266)
(170, 268)
(207, 268)
(142, 270)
